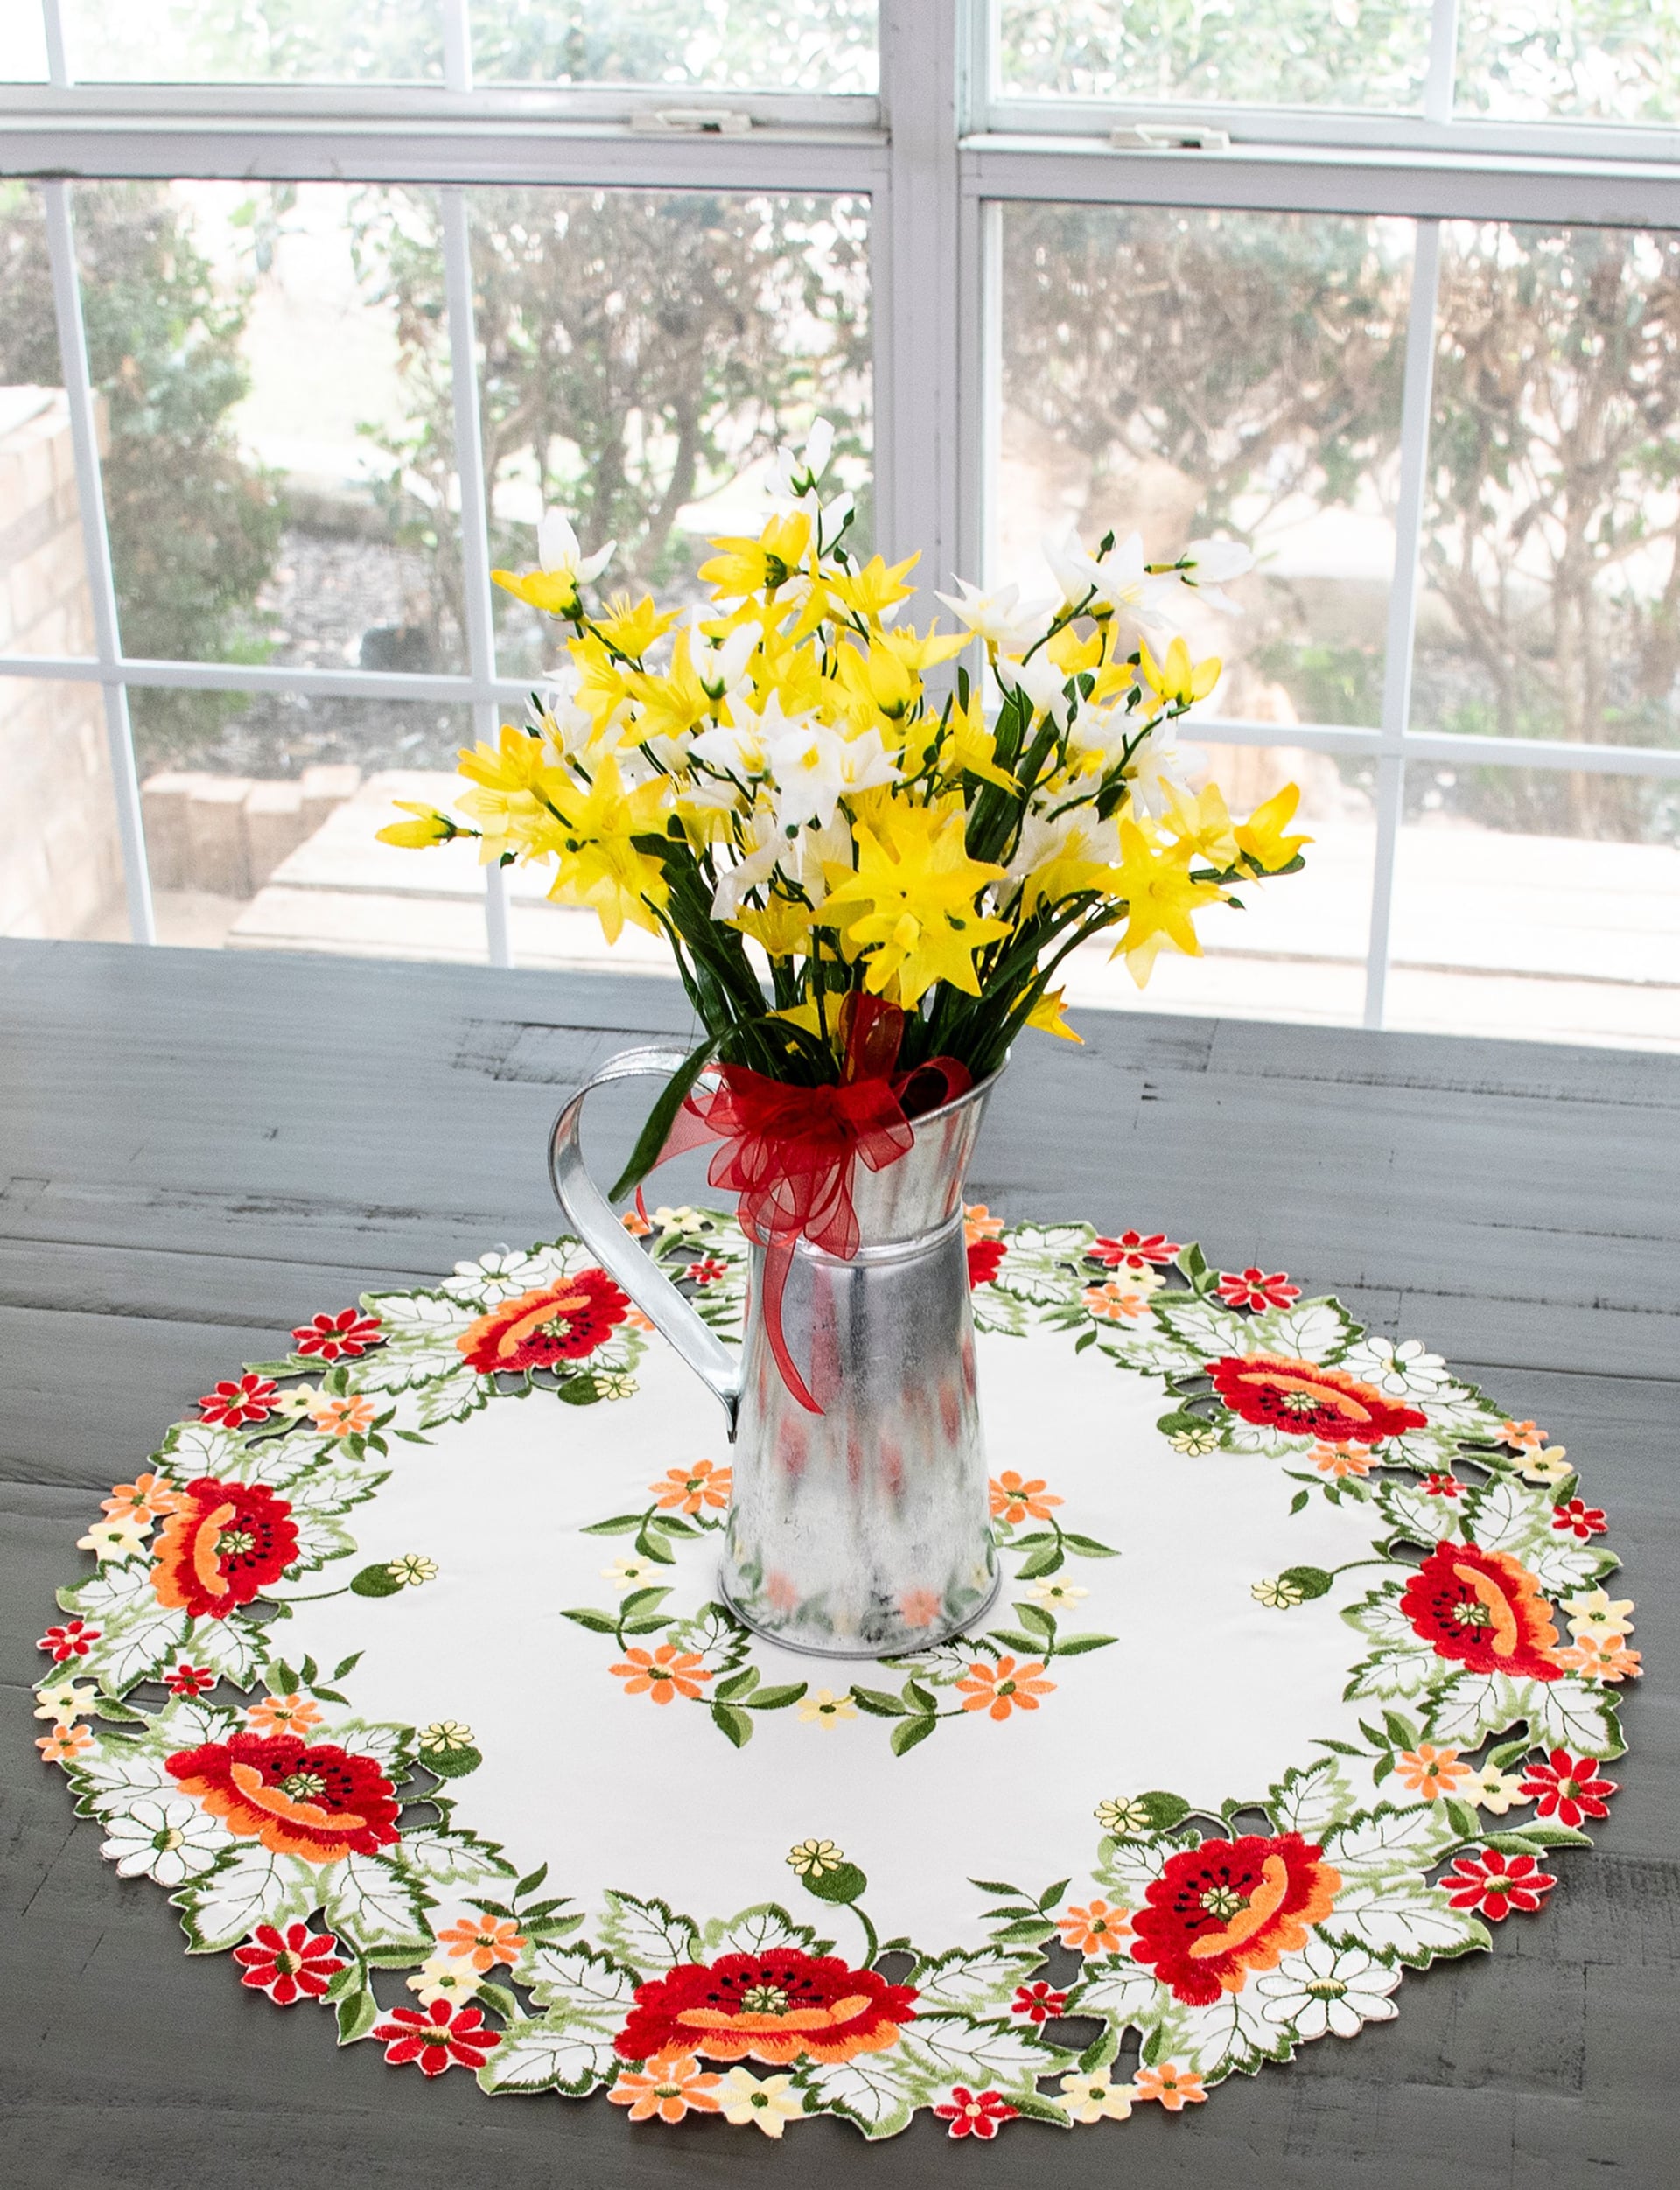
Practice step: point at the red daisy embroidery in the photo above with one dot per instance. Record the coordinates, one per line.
(339, 1338)
(771, 2007)
(288, 1966)
(985, 1260)
(1575, 1517)
(707, 1271)
(1496, 1883)
(975, 2114)
(1484, 1609)
(319, 1802)
(1038, 2002)
(1256, 1289)
(1134, 1248)
(1438, 1486)
(556, 1323)
(438, 2037)
(1230, 1906)
(71, 1641)
(190, 1680)
(243, 1399)
(1568, 1788)
(1306, 1399)
(223, 1545)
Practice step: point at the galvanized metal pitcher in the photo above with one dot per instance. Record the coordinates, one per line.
(862, 1530)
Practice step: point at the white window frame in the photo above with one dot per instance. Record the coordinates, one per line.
(938, 155)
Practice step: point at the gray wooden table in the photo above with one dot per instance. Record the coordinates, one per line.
(196, 1149)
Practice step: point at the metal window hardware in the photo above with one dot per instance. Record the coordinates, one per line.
(691, 121)
(1169, 137)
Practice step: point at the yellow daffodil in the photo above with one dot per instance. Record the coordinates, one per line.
(603, 684)
(1071, 653)
(1154, 880)
(672, 702)
(515, 784)
(753, 566)
(601, 865)
(921, 650)
(782, 928)
(877, 686)
(1176, 682)
(565, 567)
(1202, 823)
(911, 903)
(969, 748)
(632, 627)
(1046, 1016)
(1262, 838)
(427, 828)
(869, 592)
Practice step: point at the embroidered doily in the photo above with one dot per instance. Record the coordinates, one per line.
(403, 1671)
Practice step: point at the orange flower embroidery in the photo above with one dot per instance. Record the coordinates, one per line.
(64, 1743)
(1115, 1303)
(1175, 2087)
(1004, 1687)
(1339, 1460)
(672, 2086)
(687, 1489)
(292, 1714)
(978, 1223)
(1013, 1500)
(1431, 1772)
(669, 1672)
(636, 1224)
(1523, 1435)
(483, 1944)
(347, 1418)
(147, 1496)
(1093, 1928)
(1600, 1658)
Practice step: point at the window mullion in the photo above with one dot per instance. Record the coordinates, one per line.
(57, 49)
(96, 548)
(1443, 62)
(1403, 602)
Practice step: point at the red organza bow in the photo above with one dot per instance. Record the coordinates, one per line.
(790, 1152)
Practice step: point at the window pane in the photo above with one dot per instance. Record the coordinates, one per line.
(642, 356)
(1539, 904)
(1358, 53)
(45, 606)
(267, 840)
(60, 852)
(1583, 60)
(1549, 557)
(1187, 373)
(23, 42)
(275, 41)
(279, 479)
(808, 45)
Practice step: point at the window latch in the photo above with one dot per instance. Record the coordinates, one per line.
(1169, 137)
(691, 121)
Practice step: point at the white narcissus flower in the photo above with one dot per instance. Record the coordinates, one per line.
(1158, 770)
(765, 844)
(816, 765)
(1211, 564)
(795, 472)
(1039, 679)
(557, 549)
(1325, 1989)
(768, 2103)
(1001, 619)
(170, 1839)
(1119, 581)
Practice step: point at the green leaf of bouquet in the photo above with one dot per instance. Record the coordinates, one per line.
(619, 1525)
(775, 1698)
(877, 1703)
(909, 1733)
(841, 1886)
(733, 1723)
(599, 1623)
(376, 1581)
(650, 1142)
(1074, 1645)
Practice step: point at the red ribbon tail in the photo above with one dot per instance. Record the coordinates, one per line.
(778, 1262)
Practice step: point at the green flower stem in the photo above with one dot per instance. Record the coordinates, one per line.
(869, 1934)
(317, 1597)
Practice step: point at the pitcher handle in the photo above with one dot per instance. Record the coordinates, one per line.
(591, 1215)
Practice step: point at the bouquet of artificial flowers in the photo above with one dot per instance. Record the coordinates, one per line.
(868, 890)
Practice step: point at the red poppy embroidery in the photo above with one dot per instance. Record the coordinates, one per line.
(1254, 1288)
(237, 1401)
(1484, 1609)
(438, 2037)
(556, 1323)
(71, 1641)
(190, 1680)
(1038, 2003)
(1134, 1248)
(985, 1260)
(341, 1338)
(317, 1801)
(1575, 1517)
(975, 2114)
(771, 2007)
(1568, 1788)
(1496, 1883)
(1305, 1399)
(223, 1545)
(295, 1964)
(1230, 1906)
